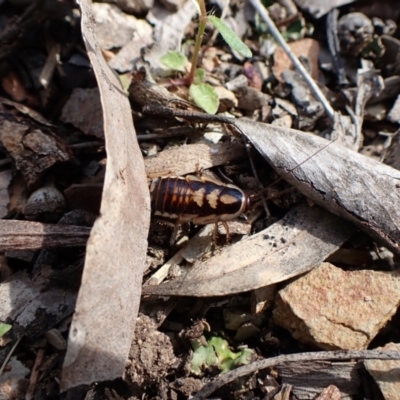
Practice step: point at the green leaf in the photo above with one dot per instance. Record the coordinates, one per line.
(174, 60)
(241, 358)
(205, 97)
(230, 37)
(203, 356)
(199, 76)
(217, 353)
(4, 328)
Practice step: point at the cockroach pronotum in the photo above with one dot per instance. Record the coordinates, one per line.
(200, 200)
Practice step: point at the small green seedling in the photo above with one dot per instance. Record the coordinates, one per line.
(217, 354)
(203, 94)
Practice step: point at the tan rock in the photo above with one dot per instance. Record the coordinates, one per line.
(386, 373)
(306, 47)
(330, 393)
(335, 309)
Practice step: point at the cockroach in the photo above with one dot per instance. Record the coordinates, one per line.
(200, 200)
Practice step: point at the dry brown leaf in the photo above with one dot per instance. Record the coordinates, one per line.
(107, 306)
(346, 183)
(292, 246)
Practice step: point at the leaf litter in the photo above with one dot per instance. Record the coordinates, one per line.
(59, 170)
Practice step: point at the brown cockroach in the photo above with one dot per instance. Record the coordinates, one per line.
(200, 200)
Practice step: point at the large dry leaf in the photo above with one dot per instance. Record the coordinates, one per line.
(346, 183)
(108, 300)
(292, 246)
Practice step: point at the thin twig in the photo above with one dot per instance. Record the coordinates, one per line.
(274, 361)
(9, 355)
(85, 145)
(299, 66)
(35, 374)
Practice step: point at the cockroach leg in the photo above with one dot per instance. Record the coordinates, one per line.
(226, 227)
(215, 233)
(174, 233)
(228, 236)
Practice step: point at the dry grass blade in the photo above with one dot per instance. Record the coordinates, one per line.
(108, 300)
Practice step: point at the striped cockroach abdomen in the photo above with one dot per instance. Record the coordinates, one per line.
(201, 200)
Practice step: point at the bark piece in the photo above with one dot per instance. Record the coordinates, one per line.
(24, 235)
(312, 357)
(186, 159)
(34, 148)
(308, 379)
(335, 309)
